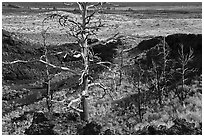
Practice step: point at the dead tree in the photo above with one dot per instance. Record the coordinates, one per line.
(163, 77)
(137, 80)
(136, 76)
(47, 80)
(45, 60)
(184, 70)
(82, 29)
(121, 52)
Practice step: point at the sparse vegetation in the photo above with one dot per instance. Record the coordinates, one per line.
(117, 85)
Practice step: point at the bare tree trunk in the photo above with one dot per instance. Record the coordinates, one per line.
(84, 102)
(84, 45)
(49, 105)
(48, 85)
(164, 67)
(182, 74)
(47, 81)
(183, 82)
(159, 89)
(139, 99)
(121, 65)
(85, 114)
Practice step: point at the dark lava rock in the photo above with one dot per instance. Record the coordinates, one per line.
(69, 116)
(40, 125)
(108, 132)
(91, 128)
(151, 50)
(180, 127)
(107, 52)
(73, 116)
(14, 48)
(174, 41)
(17, 119)
(152, 130)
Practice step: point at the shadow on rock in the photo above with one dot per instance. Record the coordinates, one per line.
(40, 125)
(91, 128)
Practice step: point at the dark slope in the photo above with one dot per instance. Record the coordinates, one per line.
(23, 75)
(16, 49)
(174, 41)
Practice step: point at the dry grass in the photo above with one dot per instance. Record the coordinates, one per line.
(30, 26)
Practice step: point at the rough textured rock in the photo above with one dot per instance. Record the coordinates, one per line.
(180, 127)
(174, 41)
(91, 128)
(40, 125)
(15, 49)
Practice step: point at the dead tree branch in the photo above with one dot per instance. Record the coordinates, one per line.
(105, 89)
(73, 101)
(44, 62)
(17, 61)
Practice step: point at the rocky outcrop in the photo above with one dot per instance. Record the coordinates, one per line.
(180, 127)
(91, 128)
(174, 41)
(40, 125)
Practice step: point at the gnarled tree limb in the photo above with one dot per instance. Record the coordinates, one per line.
(58, 67)
(44, 62)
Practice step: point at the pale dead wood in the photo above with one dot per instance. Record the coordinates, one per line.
(44, 62)
(73, 101)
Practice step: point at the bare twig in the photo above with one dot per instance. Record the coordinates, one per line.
(70, 103)
(58, 67)
(73, 101)
(97, 84)
(18, 61)
(104, 62)
(105, 89)
(88, 18)
(76, 109)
